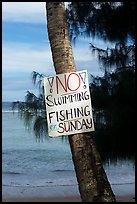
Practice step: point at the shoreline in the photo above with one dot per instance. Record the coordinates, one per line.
(64, 193)
(121, 198)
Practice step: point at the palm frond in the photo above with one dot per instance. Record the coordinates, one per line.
(118, 57)
(37, 79)
(40, 128)
(33, 111)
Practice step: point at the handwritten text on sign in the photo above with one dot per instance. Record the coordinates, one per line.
(68, 104)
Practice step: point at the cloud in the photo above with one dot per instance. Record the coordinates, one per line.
(18, 82)
(26, 12)
(20, 58)
(83, 53)
(16, 85)
(99, 43)
(17, 57)
(23, 57)
(32, 55)
(14, 95)
(91, 66)
(84, 59)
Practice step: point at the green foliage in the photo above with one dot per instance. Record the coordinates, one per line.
(113, 101)
(121, 56)
(112, 21)
(113, 95)
(40, 128)
(109, 21)
(33, 111)
(37, 80)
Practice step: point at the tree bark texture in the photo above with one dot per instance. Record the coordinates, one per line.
(92, 180)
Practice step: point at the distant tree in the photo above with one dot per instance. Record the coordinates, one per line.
(32, 111)
(109, 21)
(113, 100)
(113, 95)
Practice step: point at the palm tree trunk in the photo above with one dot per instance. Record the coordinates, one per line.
(92, 180)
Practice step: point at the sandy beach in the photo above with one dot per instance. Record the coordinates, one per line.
(21, 188)
(64, 193)
(125, 198)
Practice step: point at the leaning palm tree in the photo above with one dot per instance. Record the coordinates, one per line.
(92, 179)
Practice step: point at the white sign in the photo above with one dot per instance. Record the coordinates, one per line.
(68, 104)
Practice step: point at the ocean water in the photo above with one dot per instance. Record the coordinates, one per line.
(26, 162)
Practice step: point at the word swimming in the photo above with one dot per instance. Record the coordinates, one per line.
(66, 99)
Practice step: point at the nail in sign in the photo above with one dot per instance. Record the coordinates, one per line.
(68, 104)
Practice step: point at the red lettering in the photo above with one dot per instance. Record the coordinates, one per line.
(74, 82)
(63, 85)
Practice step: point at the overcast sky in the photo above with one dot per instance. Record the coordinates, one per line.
(25, 48)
